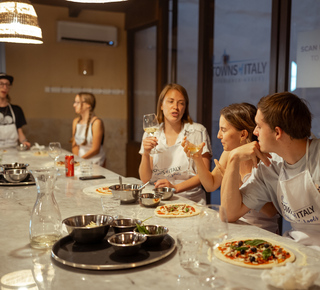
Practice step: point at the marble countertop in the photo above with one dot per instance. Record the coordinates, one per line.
(22, 265)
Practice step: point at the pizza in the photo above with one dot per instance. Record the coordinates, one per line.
(178, 210)
(103, 190)
(40, 153)
(254, 253)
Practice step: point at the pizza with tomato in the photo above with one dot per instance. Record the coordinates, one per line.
(103, 190)
(254, 253)
(178, 210)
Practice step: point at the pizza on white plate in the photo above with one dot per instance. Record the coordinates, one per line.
(254, 253)
(178, 210)
(62, 163)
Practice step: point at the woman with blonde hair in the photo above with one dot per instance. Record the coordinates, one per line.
(87, 130)
(169, 167)
(236, 126)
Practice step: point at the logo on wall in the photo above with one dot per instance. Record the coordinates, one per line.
(235, 71)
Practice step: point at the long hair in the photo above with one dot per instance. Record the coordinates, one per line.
(241, 116)
(186, 117)
(91, 100)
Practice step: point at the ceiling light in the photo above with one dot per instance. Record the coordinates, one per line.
(19, 22)
(96, 1)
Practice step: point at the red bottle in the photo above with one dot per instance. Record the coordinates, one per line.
(69, 163)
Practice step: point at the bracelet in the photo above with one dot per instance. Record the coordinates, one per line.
(25, 140)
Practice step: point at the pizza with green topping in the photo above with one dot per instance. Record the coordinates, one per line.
(254, 253)
(178, 210)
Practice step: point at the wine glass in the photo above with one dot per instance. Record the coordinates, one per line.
(192, 148)
(151, 126)
(213, 229)
(54, 151)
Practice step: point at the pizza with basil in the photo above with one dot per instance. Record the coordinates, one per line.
(254, 253)
(178, 210)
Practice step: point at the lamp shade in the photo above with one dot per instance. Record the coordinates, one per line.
(96, 1)
(19, 22)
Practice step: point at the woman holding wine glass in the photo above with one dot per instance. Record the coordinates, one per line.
(87, 130)
(169, 167)
(236, 129)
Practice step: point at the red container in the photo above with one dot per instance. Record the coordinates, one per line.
(69, 163)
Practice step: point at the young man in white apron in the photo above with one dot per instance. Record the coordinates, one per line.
(289, 176)
(11, 117)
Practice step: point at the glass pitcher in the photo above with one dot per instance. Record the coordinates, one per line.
(45, 224)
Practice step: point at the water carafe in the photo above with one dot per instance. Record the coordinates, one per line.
(45, 223)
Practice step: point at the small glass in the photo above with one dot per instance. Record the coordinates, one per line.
(54, 151)
(111, 205)
(86, 167)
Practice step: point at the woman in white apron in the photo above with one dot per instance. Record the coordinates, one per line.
(10, 130)
(169, 167)
(300, 209)
(87, 130)
(236, 127)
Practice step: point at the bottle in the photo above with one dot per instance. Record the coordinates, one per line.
(45, 223)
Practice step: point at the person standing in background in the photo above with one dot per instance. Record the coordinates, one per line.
(11, 117)
(87, 130)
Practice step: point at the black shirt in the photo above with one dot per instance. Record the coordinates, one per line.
(6, 116)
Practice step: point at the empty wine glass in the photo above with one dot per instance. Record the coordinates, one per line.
(54, 151)
(213, 229)
(151, 126)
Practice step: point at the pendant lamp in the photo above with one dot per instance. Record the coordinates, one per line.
(95, 1)
(19, 22)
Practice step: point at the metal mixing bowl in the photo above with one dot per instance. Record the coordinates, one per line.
(126, 244)
(125, 225)
(14, 166)
(149, 199)
(15, 175)
(79, 229)
(129, 193)
(156, 234)
(165, 192)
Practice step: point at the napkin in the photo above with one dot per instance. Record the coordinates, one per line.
(37, 146)
(290, 276)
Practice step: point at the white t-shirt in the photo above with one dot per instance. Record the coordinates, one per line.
(172, 162)
(262, 185)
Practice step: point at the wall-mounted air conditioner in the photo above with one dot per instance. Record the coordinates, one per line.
(87, 33)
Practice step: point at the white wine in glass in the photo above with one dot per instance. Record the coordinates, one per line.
(151, 126)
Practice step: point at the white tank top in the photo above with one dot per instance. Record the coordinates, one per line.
(83, 149)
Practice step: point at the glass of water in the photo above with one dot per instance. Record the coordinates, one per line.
(111, 205)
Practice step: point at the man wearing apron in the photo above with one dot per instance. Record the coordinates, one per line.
(11, 117)
(289, 176)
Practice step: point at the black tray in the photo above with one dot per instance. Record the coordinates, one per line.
(101, 256)
(28, 181)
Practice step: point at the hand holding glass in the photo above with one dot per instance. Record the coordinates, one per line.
(151, 126)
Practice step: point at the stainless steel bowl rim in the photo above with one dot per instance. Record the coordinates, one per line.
(143, 239)
(128, 226)
(85, 227)
(153, 235)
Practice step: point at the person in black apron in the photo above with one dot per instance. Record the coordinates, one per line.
(290, 178)
(11, 117)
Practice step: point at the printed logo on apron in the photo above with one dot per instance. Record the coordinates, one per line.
(8, 129)
(298, 197)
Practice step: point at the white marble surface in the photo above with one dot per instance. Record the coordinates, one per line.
(35, 269)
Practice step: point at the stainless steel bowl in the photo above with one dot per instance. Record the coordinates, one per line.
(80, 229)
(127, 244)
(165, 192)
(14, 166)
(22, 147)
(15, 175)
(156, 234)
(149, 199)
(125, 225)
(129, 193)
